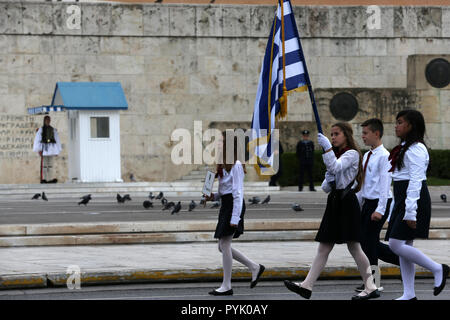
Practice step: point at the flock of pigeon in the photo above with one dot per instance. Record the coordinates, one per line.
(165, 203)
(177, 207)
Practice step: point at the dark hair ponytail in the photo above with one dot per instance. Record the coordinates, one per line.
(416, 134)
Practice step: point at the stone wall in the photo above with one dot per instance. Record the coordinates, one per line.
(180, 63)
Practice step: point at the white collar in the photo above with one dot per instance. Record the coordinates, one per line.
(377, 149)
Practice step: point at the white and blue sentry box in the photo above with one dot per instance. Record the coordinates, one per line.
(93, 110)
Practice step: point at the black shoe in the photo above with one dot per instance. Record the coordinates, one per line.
(300, 189)
(312, 189)
(43, 181)
(225, 293)
(260, 272)
(272, 184)
(445, 271)
(305, 293)
(373, 295)
(360, 288)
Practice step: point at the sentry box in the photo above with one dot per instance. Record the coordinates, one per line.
(94, 128)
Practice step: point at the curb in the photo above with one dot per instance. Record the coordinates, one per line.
(154, 232)
(207, 225)
(190, 275)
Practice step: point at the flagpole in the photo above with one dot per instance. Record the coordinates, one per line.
(283, 99)
(310, 91)
(311, 94)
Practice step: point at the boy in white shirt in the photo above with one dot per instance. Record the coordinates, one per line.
(375, 196)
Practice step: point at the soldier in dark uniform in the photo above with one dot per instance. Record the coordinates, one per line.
(305, 155)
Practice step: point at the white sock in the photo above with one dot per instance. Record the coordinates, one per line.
(240, 257)
(227, 262)
(363, 266)
(408, 271)
(318, 264)
(414, 255)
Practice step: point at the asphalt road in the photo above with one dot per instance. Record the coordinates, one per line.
(266, 290)
(65, 210)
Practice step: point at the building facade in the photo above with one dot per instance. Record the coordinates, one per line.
(181, 63)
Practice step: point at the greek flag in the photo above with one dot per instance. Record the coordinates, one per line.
(283, 71)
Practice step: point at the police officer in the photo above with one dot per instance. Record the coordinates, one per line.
(305, 155)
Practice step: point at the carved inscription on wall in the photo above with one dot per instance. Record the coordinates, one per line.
(17, 136)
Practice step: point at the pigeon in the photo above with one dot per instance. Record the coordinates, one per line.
(203, 201)
(192, 205)
(44, 197)
(36, 196)
(266, 200)
(127, 197)
(177, 208)
(85, 200)
(215, 205)
(163, 201)
(444, 197)
(132, 178)
(147, 204)
(120, 199)
(159, 196)
(254, 200)
(296, 207)
(168, 205)
(151, 196)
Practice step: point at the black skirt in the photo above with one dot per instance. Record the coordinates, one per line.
(398, 229)
(341, 222)
(223, 227)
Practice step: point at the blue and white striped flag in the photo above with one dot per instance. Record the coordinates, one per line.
(273, 87)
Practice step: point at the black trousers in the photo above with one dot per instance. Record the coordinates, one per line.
(370, 235)
(308, 168)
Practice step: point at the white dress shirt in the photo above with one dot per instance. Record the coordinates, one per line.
(233, 182)
(415, 170)
(377, 179)
(344, 169)
(51, 149)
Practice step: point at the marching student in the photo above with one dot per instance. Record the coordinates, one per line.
(375, 196)
(411, 215)
(341, 222)
(231, 218)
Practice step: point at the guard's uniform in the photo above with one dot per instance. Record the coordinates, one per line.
(47, 141)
